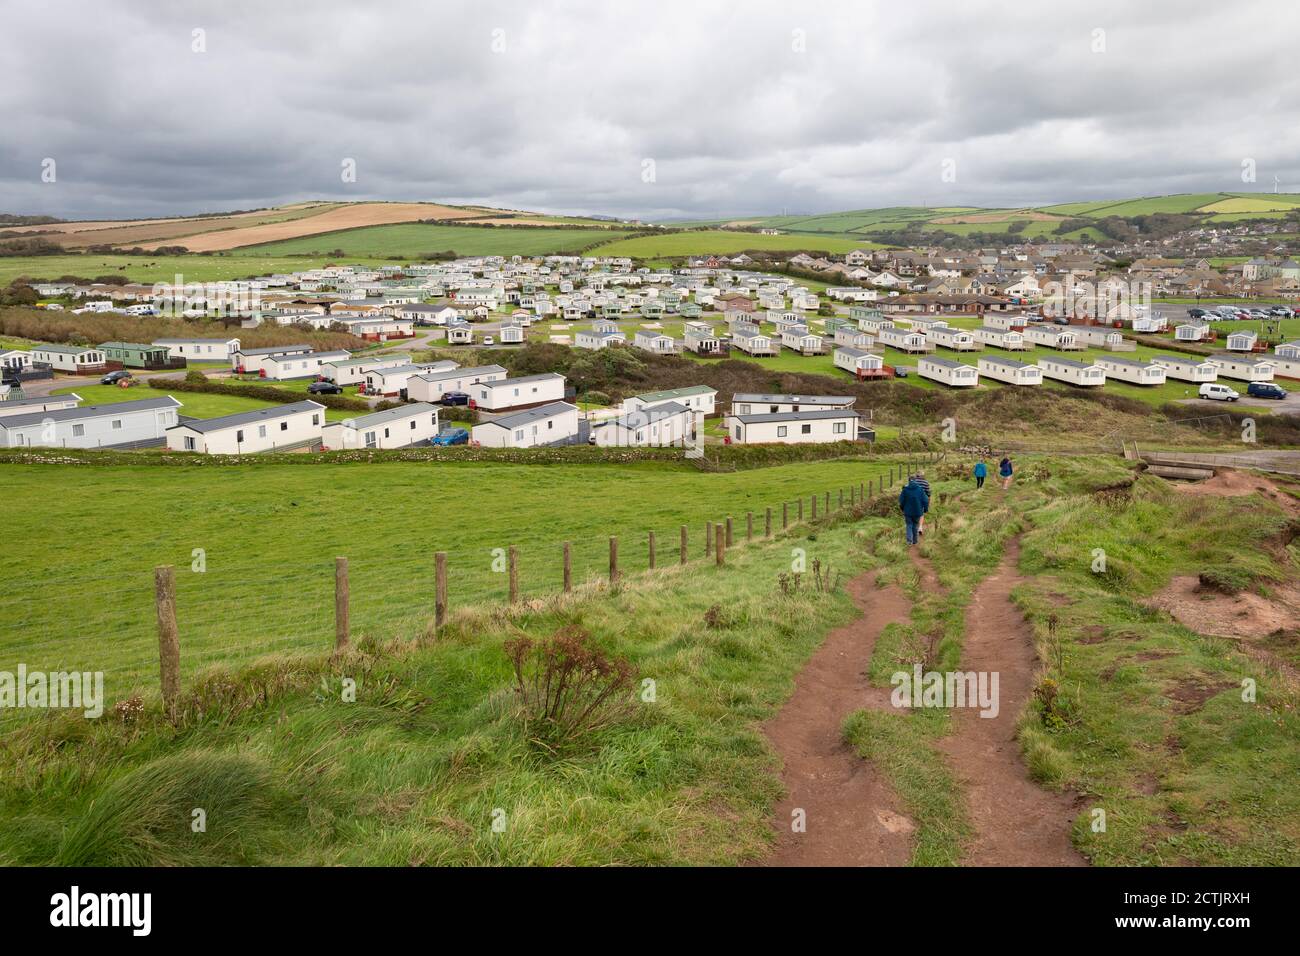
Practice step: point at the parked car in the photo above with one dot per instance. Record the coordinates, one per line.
(1281, 312)
(112, 378)
(324, 388)
(1265, 390)
(452, 436)
(1196, 313)
(454, 398)
(1219, 393)
(488, 340)
(1061, 320)
(900, 373)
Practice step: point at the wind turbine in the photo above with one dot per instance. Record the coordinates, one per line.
(1275, 184)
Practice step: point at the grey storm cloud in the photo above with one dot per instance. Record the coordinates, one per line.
(557, 105)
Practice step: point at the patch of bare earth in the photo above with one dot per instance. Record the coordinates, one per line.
(1227, 483)
(344, 217)
(1016, 822)
(853, 817)
(1265, 628)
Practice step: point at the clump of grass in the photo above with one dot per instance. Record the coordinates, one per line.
(1224, 578)
(568, 689)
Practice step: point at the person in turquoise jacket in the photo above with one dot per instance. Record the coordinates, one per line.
(914, 503)
(981, 472)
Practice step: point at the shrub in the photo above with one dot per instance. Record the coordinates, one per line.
(567, 688)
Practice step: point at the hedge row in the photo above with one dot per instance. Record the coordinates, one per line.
(727, 457)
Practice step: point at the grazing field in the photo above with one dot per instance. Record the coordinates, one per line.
(174, 232)
(415, 240)
(271, 532)
(151, 269)
(721, 242)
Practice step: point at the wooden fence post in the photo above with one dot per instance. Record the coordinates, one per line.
(767, 523)
(827, 509)
(341, 597)
(720, 544)
(169, 645)
(683, 561)
(814, 508)
(651, 543)
(708, 538)
(785, 515)
(613, 560)
(862, 493)
(513, 563)
(841, 504)
(800, 517)
(729, 538)
(568, 568)
(440, 589)
(749, 526)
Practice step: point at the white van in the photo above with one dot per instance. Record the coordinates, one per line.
(1218, 393)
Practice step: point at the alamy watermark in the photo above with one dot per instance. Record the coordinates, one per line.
(921, 688)
(53, 690)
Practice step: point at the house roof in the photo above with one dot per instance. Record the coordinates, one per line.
(1006, 360)
(671, 393)
(130, 345)
(803, 416)
(401, 358)
(531, 415)
(1231, 357)
(946, 363)
(1065, 361)
(401, 413)
(276, 350)
(90, 411)
(205, 425)
(65, 349)
(845, 400)
(544, 377)
(41, 400)
(438, 375)
(854, 353)
(647, 416)
(1179, 359)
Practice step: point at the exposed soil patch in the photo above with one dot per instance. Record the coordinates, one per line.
(1190, 695)
(1234, 484)
(1016, 822)
(1244, 614)
(1092, 634)
(853, 816)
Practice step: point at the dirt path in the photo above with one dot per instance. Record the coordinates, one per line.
(853, 817)
(1016, 822)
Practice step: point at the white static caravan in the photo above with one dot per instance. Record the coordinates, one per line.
(1285, 367)
(1134, 371)
(15, 358)
(905, 340)
(280, 428)
(850, 337)
(804, 426)
(30, 406)
(250, 360)
(143, 422)
(432, 385)
(510, 393)
(353, 371)
(1007, 320)
(1075, 373)
(1098, 336)
(553, 424)
(394, 381)
(1192, 332)
(1241, 341)
(697, 398)
(395, 428)
(797, 338)
(753, 342)
(873, 323)
(70, 358)
(1053, 337)
(954, 374)
(1003, 368)
(656, 342)
(752, 403)
(701, 339)
(596, 340)
(279, 368)
(511, 335)
(199, 350)
(959, 340)
(858, 362)
(1186, 368)
(1244, 368)
(1008, 339)
(658, 426)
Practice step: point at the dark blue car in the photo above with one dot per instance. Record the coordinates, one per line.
(452, 436)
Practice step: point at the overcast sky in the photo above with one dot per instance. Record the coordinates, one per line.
(651, 110)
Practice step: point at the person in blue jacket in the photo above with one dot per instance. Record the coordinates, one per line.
(1004, 469)
(914, 503)
(981, 472)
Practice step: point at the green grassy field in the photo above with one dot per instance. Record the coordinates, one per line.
(194, 404)
(270, 533)
(148, 269)
(413, 240)
(722, 242)
(417, 769)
